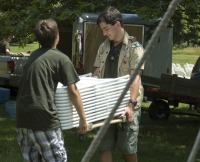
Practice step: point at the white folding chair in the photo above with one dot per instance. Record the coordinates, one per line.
(180, 73)
(173, 65)
(178, 68)
(191, 65)
(178, 65)
(173, 72)
(186, 65)
(188, 71)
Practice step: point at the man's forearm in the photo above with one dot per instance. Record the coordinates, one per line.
(134, 89)
(96, 72)
(7, 51)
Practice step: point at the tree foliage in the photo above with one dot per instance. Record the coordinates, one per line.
(18, 17)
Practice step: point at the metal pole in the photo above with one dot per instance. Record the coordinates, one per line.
(163, 23)
(194, 148)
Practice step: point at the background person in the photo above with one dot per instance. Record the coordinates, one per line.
(5, 46)
(38, 128)
(117, 56)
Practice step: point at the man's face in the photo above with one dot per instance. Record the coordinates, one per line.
(109, 30)
(8, 39)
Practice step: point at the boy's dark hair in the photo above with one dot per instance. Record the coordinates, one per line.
(110, 16)
(46, 32)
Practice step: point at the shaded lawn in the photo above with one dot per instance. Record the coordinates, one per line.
(165, 141)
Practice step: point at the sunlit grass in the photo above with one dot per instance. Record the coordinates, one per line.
(186, 55)
(187, 51)
(182, 59)
(29, 47)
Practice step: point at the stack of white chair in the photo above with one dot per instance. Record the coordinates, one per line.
(180, 71)
(178, 65)
(188, 69)
(191, 65)
(173, 65)
(173, 72)
(186, 65)
(99, 97)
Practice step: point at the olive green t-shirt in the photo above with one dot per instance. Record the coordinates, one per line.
(3, 46)
(35, 100)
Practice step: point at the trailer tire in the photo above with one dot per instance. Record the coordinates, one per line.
(156, 110)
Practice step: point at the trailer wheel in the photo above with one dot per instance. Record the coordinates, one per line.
(159, 109)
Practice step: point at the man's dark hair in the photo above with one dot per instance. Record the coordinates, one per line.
(46, 32)
(110, 16)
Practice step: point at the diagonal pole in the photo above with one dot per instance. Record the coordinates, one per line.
(194, 148)
(150, 46)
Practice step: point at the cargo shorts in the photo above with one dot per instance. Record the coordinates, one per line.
(124, 137)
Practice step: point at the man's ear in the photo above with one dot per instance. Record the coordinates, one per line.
(118, 23)
(57, 39)
(57, 36)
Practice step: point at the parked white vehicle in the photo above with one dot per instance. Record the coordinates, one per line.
(11, 68)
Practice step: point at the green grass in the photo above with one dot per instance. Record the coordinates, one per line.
(166, 141)
(29, 47)
(186, 55)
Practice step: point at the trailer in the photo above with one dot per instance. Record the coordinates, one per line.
(170, 90)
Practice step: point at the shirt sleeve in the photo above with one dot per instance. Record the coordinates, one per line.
(137, 53)
(7, 46)
(98, 57)
(68, 74)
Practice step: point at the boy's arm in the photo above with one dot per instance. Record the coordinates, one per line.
(76, 100)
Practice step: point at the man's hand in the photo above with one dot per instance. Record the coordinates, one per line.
(82, 126)
(129, 113)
